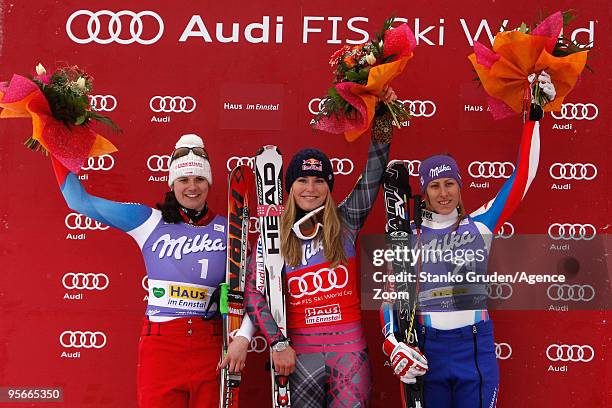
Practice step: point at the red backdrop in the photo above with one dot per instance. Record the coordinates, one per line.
(174, 74)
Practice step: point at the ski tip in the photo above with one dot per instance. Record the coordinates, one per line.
(268, 147)
(396, 162)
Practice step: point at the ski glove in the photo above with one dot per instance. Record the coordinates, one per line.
(408, 362)
(545, 83)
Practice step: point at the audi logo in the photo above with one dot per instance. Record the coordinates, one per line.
(413, 167)
(236, 161)
(258, 343)
(574, 232)
(158, 163)
(501, 291)
(578, 111)
(342, 166)
(145, 283)
(254, 225)
(102, 103)
(570, 352)
(82, 339)
(488, 169)
(104, 162)
(176, 104)
(576, 293)
(503, 351)
(89, 281)
(323, 280)
(418, 108)
(506, 231)
(78, 221)
(573, 171)
(115, 27)
(315, 105)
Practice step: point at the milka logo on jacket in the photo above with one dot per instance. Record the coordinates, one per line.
(449, 242)
(435, 171)
(183, 245)
(311, 249)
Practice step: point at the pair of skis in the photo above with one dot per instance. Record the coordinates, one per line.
(268, 178)
(268, 170)
(231, 303)
(397, 194)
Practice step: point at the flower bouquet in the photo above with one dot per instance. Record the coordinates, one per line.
(61, 116)
(518, 56)
(361, 73)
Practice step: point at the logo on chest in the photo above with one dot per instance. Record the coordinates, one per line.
(323, 280)
(311, 249)
(177, 247)
(323, 314)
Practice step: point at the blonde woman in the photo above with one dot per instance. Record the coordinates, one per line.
(327, 359)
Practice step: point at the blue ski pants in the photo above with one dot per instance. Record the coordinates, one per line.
(463, 371)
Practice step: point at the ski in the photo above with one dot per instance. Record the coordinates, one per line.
(268, 179)
(241, 182)
(397, 193)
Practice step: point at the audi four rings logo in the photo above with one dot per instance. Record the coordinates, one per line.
(176, 104)
(573, 171)
(578, 111)
(116, 30)
(83, 339)
(570, 352)
(102, 103)
(236, 161)
(89, 281)
(501, 291)
(323, 280)
(158, 163)
(315, 105)
(576, 293)
(78, 221)
(503, 351)
(574, 232)
(488, 169)
(104, 162)
(258, 344)
(506, 231)
(413, 167)
(342, 166)
(418, 109)
(253, 225)
(145, 283)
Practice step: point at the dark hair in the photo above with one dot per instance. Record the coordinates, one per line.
(170, 209)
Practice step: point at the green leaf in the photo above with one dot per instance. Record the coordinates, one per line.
(352, 76)
(80, 120)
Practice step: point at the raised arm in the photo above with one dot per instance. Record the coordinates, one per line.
(495, 212)
(123, 216)
(356, 207)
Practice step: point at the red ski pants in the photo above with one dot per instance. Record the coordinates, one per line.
(177, 363)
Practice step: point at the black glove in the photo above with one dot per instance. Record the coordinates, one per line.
(535, 112)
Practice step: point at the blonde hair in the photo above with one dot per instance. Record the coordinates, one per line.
(330, 235)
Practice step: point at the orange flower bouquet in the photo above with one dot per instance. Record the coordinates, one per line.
(59, 108)
(507, 71)
(361, 73)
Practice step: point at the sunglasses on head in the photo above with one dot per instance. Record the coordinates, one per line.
(184, 151)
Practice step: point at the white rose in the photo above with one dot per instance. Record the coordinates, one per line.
(370, 59)
(40, 70)
(80, 83)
